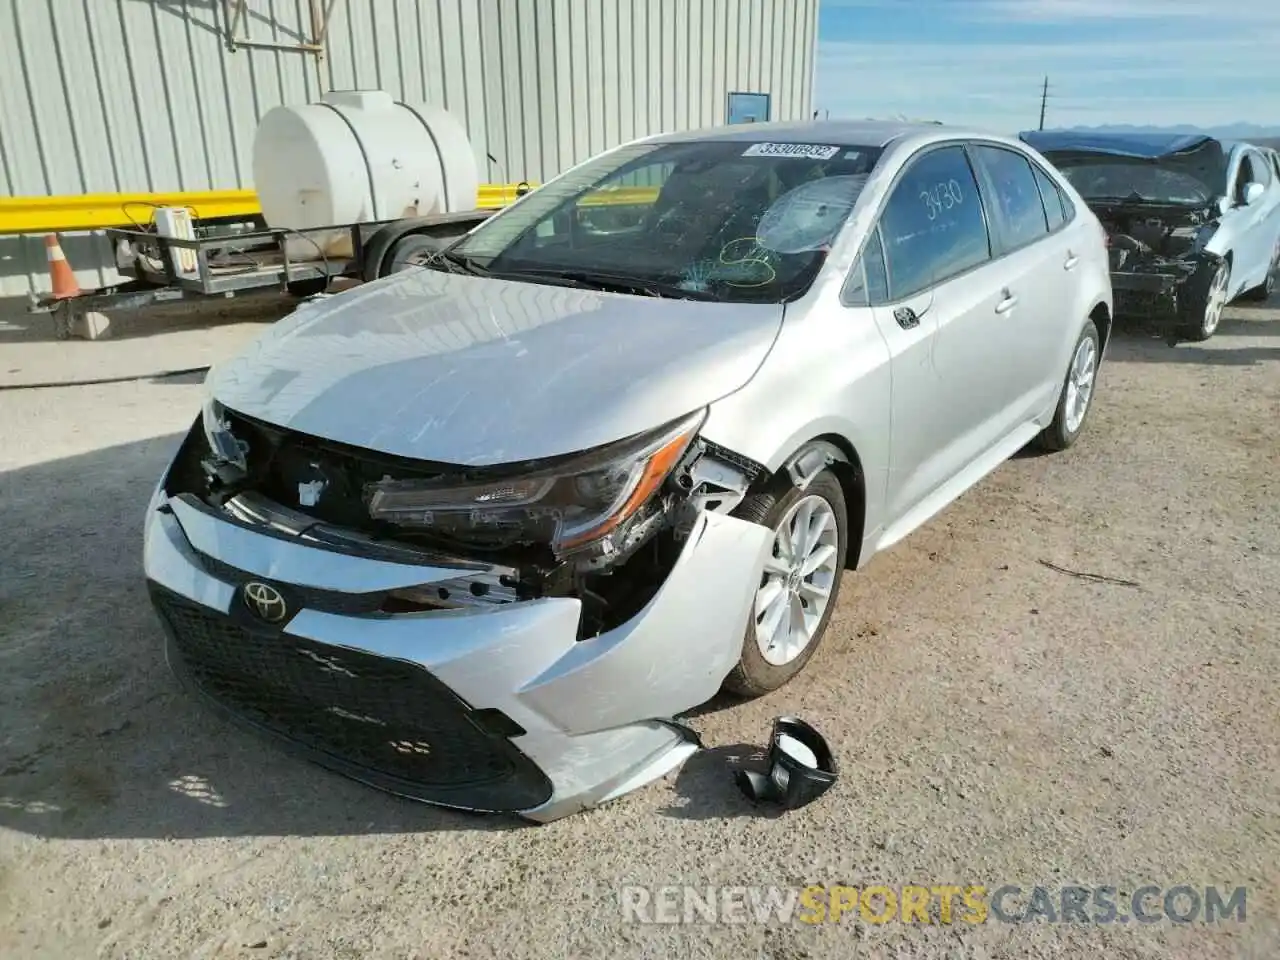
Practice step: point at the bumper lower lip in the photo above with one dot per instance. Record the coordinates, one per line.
(1151, 295)
(590, 720)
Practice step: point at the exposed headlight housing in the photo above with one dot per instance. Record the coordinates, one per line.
(224, 447)
(585, 503)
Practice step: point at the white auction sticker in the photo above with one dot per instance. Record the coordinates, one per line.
(810, 151)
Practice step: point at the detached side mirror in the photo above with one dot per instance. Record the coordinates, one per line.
(1253, 193)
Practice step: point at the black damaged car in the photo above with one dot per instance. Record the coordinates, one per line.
(1193, 222)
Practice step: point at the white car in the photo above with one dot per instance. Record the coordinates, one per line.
(479, 532)
(1194, 222)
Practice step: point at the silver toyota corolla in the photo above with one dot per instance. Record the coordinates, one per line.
(479, 532)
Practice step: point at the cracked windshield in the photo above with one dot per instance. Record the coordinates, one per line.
(741, 221)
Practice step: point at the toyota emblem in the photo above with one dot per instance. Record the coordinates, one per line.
(265, 601)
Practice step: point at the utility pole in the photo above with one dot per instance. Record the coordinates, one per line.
(1044, 99)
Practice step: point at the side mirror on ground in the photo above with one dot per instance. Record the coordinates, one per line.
(801, 767)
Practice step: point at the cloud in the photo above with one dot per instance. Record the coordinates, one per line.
(1065, 11)
(1173, 61)
(1068, 11)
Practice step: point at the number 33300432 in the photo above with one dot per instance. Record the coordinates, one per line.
(943, 195)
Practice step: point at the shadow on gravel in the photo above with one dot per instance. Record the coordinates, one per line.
(1132, 343)
(96, 738)
(705, 785)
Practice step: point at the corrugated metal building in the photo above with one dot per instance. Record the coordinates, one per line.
(128, 96)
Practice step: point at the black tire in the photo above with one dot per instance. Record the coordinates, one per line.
(1058, 435)
(754, 676)
(407, 248)
(1197, 325)
(308, 288)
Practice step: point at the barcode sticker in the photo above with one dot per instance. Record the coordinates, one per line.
(809, 151)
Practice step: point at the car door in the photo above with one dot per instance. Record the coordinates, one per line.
(1267, 216)
(1250, 236)
(1038, 268)
(936, 307)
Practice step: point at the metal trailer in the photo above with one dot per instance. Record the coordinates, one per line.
(236, 256)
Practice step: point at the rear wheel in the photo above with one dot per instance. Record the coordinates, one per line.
(799, 585)
(1076, 398)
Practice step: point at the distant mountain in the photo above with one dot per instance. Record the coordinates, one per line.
(1231, 131)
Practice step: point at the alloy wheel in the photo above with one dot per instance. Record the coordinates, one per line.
(798, 579)
(1216, 301)
(1080, 377)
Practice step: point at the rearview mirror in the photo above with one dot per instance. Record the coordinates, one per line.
(1253, 193)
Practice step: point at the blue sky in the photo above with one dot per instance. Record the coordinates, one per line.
(1162, 62)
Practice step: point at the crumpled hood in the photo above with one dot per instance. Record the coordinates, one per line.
(477, 371)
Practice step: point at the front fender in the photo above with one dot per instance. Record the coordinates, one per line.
(827, 375)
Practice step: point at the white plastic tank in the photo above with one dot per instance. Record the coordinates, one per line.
(358, 156)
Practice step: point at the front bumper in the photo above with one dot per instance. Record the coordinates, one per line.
(495, 709)
(1152, 296)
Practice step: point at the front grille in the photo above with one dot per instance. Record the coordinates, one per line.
(386, 722)
(313, 598)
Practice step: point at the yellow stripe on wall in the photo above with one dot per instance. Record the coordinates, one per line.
(94, 211)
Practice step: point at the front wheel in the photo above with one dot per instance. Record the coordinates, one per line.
(1076, 397)
(799, 585)
(1206, 310)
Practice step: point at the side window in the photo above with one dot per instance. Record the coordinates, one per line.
(877, 270)
(933, 225)
(1015, 194)
(1275, 162)
(868, 281)
(1068, 207)
(1054, 208)
(1244, 176)
(1261, 169)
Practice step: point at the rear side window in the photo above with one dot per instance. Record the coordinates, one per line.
(1054, 203)
(1015, 196)
(933, 226)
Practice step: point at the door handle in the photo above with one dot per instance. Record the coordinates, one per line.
(1071, 261)
(1008, 303)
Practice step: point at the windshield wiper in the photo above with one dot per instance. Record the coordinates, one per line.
(611, 282)
(461, 261)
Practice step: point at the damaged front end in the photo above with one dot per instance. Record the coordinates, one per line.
(1158, 196)
(602, 526)
(515, 639)
(1161, 269)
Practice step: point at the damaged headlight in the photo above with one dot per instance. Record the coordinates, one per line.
(585, 502)
(227, 460)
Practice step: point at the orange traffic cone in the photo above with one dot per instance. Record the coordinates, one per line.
(60, 272)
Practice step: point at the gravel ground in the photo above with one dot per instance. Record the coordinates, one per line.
(998, 721)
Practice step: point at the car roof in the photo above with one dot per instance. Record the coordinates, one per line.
(861, 133)
(1148, 146)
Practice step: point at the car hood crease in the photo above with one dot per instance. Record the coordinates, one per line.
(477, 371)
